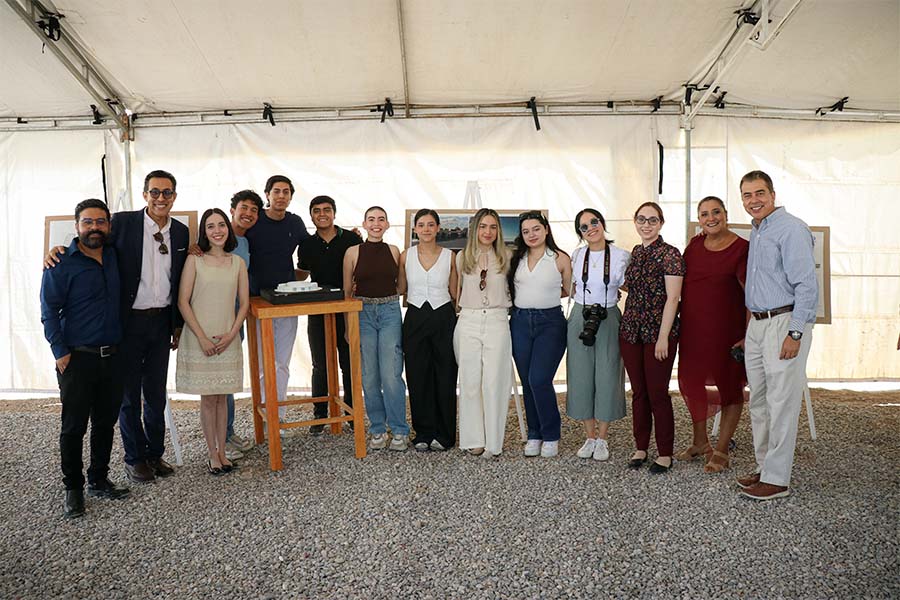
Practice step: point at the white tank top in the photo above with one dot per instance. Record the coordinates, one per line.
(541, 287)
(431, 286)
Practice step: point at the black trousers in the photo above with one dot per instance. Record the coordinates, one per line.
(315, 331)
(144, 353)
(431, 372)
(90, 389)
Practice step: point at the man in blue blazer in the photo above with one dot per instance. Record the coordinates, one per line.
(151, 248)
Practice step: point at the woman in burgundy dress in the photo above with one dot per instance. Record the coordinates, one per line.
(713, 322)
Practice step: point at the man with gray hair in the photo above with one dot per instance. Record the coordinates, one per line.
(781, 294)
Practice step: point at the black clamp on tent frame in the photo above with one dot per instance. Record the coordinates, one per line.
(386, 109)
(531, 104)
(268, 114)
(720, 101)
(98, 120)
(51, 27)
(837, 106)
(657, 102)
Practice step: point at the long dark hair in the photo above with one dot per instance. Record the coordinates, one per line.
(203, 241)
(521, 248)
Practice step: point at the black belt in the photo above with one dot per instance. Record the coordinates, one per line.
(101, 351)
(767, 314)
(149, 311)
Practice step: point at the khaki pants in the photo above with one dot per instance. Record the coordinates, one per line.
(776, 394)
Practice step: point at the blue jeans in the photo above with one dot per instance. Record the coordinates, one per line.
(229, 400)
(380, 334)
(538, 344)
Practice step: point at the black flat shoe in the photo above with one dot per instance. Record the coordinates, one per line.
(74, 505)
(214, 471)
(107, 489)
(229, 468)
(657, 468)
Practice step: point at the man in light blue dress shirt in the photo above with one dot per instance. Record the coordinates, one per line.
(781, 294)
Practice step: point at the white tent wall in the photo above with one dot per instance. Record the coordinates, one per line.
(827, 173)
(41, 173)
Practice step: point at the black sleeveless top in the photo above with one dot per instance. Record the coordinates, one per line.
(376, 272)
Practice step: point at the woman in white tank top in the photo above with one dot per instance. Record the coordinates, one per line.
(431, 282)
(539, 274)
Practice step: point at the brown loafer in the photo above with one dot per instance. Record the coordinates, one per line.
(139, 473)
(766, 491)
(748, 480)
(160, 467)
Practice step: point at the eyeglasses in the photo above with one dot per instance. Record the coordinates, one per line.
(641, 219)
(584, 226)
(101, 222)
(483, 283)
(163, 249)
(531, 214)
(166, 193)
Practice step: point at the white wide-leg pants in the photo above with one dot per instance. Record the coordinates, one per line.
(483, 350)
(285, 332)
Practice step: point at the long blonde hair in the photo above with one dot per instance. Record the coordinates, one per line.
(470, 252)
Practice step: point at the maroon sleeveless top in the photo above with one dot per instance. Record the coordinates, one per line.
(376, 272)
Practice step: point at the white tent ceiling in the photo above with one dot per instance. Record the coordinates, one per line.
(216, 55)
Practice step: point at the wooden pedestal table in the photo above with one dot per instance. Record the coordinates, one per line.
(338, 412)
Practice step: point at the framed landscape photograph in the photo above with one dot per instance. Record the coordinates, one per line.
(455, 226)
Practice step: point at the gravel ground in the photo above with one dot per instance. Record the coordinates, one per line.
(446, 525)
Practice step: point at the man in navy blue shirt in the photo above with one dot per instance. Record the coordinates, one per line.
(80, 313)
(274, 241)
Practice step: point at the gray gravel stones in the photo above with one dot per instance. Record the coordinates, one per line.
(447, 525)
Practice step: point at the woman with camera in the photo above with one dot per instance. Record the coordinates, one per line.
(596, 378)
(649, 335)
(539, 273)
(713, 322)
(481, 339)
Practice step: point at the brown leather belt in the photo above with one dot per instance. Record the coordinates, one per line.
(768, 314)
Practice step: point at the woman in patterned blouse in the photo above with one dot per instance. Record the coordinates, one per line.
(648, 335)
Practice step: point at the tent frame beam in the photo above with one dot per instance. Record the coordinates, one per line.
(403, 58)
(79, 66)
(754, 38)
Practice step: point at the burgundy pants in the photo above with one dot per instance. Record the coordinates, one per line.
(651, 403)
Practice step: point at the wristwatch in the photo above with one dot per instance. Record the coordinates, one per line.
(795, 335)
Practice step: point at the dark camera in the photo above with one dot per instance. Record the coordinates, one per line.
(737, 353)
(593, 316)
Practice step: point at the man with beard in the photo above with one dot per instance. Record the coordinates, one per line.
(80, 313)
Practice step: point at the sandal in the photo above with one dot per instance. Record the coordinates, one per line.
(714, 466)
(694, 452)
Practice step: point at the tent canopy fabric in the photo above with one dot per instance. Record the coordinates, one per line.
(204, 55)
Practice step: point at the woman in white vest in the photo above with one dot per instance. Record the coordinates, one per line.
(431, 282)
(539, 274)
(481, 340)
(595, 373)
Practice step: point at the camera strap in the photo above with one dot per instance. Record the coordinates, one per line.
(584, 273)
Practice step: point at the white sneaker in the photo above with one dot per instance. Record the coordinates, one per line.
(488, 454)
(549, 449)
(379, 441)
(532, 448)
(400, 443)
(601, 450)
(240, 443)
(587, 450)
(437, 446)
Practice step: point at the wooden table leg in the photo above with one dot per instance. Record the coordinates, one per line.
(359, 428)
(272, 425)
(253, 346)
(331, 361)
